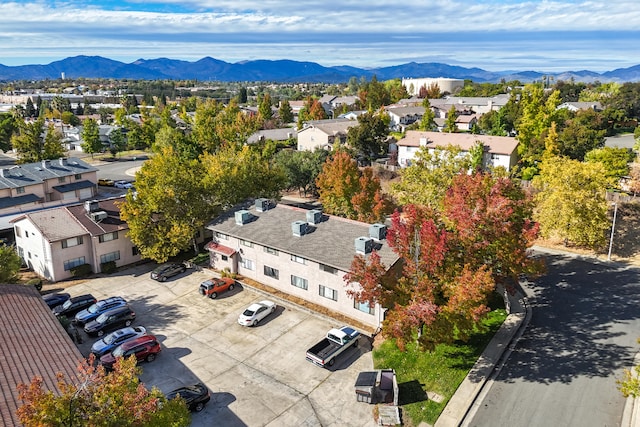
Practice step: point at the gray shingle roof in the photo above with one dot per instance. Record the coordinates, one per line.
(7, 202)
(64, 188)
(34, 173)
(331, 242)
(56, 224)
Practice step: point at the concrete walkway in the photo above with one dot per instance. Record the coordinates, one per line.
(491, 359)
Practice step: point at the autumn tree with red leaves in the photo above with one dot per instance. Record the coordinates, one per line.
(99, 399)
(348, 192)
(451, 260)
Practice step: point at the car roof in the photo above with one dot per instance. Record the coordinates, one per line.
(137, 341)
(55, 295)
(82, 297)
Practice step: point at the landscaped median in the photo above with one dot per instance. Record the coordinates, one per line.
(428, 380)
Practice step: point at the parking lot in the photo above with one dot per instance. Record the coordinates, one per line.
(258, 376)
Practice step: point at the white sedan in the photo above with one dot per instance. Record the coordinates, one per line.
(256, 312)
(123, 184)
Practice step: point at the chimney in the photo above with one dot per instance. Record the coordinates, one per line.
(62, 161)
(364, 245)
(45, 164)
(5, 173)
(91, 206)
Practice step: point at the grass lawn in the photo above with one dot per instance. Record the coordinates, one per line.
(440, 371)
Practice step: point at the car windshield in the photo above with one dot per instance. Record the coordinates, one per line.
(110, 338)
(102, 318)
(67, 304)
(118, 352)
(93, 308)
(248, 312)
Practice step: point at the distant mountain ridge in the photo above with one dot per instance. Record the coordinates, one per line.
(282, 71)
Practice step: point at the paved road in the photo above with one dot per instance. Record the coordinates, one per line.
(583, 331)
(121, 169)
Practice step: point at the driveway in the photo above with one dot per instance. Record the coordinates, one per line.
(257, 376)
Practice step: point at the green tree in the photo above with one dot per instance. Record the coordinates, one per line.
(169, 207)
(91, 137)
(615, 160)
(285, 112)
(338, 182)
(426, 181)
(427, 123)
(9, 264)
(264, 108)
(450, 122)
(28, 141)
(7, 128)
(571, 203)
(30, 110)
(301, 168)
(118, 141)
(204, 127)
(368, 138)
(581, 134)
(99, 399)
(52, 147)
(374, 95)
(242, 95)
(476, 154)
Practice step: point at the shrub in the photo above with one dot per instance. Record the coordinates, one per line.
(81, 270)
(35, 282)
(108, 267)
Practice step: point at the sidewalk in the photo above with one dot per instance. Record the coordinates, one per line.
(493, 356)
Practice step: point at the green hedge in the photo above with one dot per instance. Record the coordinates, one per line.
(108, 267)
(81, 270)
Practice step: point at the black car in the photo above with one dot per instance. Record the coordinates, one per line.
(196, 396)
(54, 300)
(164, 271)
(74, 305)
(87, 315)
(115, 318)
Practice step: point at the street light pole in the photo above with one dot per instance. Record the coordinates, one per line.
(613, 228)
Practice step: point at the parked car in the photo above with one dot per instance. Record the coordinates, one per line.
(106, 182)
(164, 271)
(145, 348)
(123, 184)
(54, 300)
(110, 341)
(74, 305)
(195, 396)
(215, 286)
(256, 312)
(110, 320)
(95, 310)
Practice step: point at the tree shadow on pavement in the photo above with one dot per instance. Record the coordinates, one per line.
(585, 322)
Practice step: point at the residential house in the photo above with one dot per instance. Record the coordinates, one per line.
(45, 184)
(576, 106)
(53, 241)
(279, 135)
(304, 253)
(476, 104)
(464, 122)
(324, 133)
(402, 116)
(499, 150)
(34, 344)
(334, 105)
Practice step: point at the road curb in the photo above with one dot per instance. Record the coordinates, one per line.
(631, 413)
(463, 403)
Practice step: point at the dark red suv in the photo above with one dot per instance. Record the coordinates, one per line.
(144, 348)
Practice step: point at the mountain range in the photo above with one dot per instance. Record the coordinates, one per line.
(282, 71)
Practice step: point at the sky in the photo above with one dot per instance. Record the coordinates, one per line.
(495, 35)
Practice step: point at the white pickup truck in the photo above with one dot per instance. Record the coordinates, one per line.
(335, 343)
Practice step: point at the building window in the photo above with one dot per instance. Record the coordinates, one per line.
(18, 231)
(271, 272)
(221, 236)
(107, 237)
(74, 241)
(298, 259)
(328, 293)
(26, 233)
(77, 176)
(363, 306)
(134, 251)
(271, 251)
(299, 282)
(111, 256)
(20, 190)
(246, 243)
(69, 264)
(61, 180)
(248, 264)
(20, 252)
(328, 269)
(225, 258)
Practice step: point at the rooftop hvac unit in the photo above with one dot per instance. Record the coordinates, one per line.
(262, 205)
(99, 216)
(378, 231)
(364, 245)
(299, 228)
(91, 206)
(314, 216)
(242, 217)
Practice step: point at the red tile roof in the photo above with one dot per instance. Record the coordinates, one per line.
(32, 342)
(224, 250)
